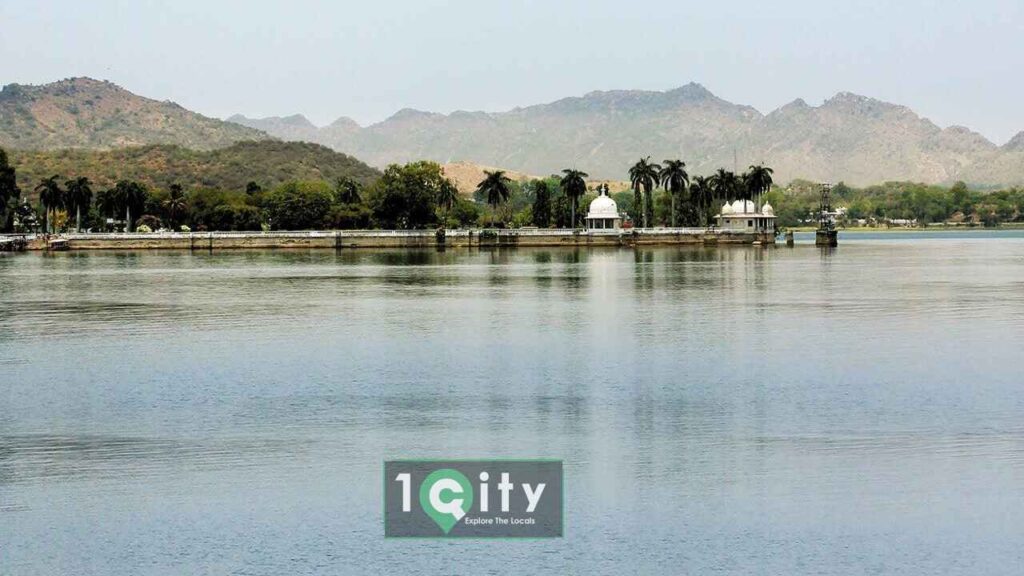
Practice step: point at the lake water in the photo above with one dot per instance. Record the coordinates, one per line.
(728, 411)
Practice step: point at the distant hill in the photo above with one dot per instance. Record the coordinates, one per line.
(268, 163)
(848, 138)
(87, 113)
(467, 176)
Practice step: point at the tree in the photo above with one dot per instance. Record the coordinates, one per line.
(959, 195)
(299, 205)
(541, 204)
(252, 188)
(130, 196)
(675, 180)
(724, 184)
(496, 188)
(447, 197)
(405, 197)
(348, 191)
(9, 193)
(644, 175)
(758, 181)
(176, 204)
(51, 197)
(701, 194)
(79, 196)
(574, 185)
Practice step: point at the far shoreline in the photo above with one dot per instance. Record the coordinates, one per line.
(918, 229)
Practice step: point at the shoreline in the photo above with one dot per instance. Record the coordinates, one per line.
(355, 239)
(903, 229)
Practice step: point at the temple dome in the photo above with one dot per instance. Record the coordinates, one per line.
(767, 210)
(727, 208)
(603, 207)
(738, 207)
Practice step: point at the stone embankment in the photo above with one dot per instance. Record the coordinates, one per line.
(344, 239)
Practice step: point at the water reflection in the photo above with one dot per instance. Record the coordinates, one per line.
(718, 404)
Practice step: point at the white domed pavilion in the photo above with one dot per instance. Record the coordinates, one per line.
(603, 213)
(743, 216)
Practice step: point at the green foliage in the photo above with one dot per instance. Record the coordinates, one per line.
(675, 180)
(269, 163)
(357, 216)
(465, 214)
(573, 185)
(405, 197)
(10, 194)
(541, 212)
(900, 200)
(348, 190)
(299, 205)
(495, 187)
(643, 176)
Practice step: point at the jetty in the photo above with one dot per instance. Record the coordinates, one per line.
(440, 238)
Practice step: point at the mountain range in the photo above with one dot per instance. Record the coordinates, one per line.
(849, 138)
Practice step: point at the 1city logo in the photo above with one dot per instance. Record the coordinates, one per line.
(473, 498)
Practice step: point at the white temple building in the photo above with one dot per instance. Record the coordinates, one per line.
(743, 216)
(604, 213)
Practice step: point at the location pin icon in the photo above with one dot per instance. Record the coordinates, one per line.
(446, 496)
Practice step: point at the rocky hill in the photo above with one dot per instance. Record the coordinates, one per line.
(87, 113)
(467, 176)
(848, 138)
(267, 163)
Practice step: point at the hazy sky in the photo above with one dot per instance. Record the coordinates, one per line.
(955, 62)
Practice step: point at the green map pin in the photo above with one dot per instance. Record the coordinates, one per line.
(446, 496)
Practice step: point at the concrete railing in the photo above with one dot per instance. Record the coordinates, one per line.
(453, 232)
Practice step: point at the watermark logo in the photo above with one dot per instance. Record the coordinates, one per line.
(446, 497)
(473, 498)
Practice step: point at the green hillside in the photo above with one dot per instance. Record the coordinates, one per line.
(268, 163)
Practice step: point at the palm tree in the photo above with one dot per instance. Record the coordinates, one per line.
(79, 195)
(725, 185)
(51, 197)
(131, 194)
(175, 203)
(447, 196)
(702, 194)
(574, 185)
(644, 175)
(495, 186)
(759, 180)
(108, 202)
(675, 180)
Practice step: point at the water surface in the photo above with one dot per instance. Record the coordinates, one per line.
(733, 411)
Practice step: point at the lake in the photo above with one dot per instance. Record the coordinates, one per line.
(732, 411)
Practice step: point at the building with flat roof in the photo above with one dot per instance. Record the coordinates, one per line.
(743, 216)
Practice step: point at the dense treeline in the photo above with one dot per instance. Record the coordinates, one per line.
(416, 195)
(419, 196)
(903, 202)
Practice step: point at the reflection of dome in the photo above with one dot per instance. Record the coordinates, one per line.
(737, 206)
(767, 210)
(726, 208)
(603, 207)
